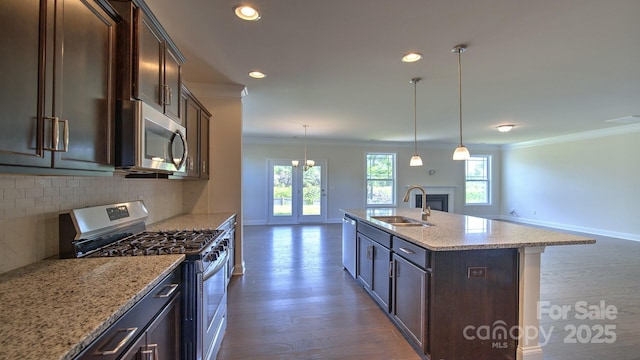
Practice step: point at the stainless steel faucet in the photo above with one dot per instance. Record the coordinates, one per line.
(426, 210)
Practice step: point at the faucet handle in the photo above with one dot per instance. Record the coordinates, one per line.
(428, 210)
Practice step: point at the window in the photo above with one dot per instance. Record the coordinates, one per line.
(477, 180)
(381, 179)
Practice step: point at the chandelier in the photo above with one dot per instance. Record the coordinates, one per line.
(308, 163)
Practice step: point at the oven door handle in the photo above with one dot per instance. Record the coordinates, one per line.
(209, 273)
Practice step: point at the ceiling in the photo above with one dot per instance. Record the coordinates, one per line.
(551, 67)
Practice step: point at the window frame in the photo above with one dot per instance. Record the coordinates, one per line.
(487, 180)
(393, 180)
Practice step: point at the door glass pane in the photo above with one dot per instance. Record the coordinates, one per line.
(311, 191)
(282, 185)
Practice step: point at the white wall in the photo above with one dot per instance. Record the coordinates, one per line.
(223, 191)
(588, 182)
(346, 173)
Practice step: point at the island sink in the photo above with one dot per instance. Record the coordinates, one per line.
(401, 221)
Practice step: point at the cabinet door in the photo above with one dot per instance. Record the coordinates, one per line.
(410, 299)
(381, 281)
(204, 145)
(149, 82)
(163, 335)
(171, 84)
(365, 260)
(192, 118)
(84, 85)
(21, 91)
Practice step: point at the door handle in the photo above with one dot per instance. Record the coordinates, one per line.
(55, 134)
(407, 251)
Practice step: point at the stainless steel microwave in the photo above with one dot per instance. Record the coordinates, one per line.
(147, 141)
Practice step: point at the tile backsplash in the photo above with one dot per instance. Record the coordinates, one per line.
(29, 208)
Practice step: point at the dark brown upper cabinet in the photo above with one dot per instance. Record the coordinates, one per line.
(149, 63)
(196, 118)
(58, 85)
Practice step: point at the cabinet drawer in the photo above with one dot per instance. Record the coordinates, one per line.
(375, 234)
(411, 252)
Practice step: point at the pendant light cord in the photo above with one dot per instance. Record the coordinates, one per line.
(460, 50)
(415, 121)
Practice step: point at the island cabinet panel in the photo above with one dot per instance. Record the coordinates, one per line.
(58, 90)
(472, 289)
(373, 269)
(450, 305)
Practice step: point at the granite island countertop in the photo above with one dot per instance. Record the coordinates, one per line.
(191, 221)
(462, 232)
(53, 309)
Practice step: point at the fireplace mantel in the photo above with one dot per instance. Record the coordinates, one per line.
(437, 189)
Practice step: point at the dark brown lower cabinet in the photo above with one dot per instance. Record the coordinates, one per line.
(410, 301)
(162, 338)
(373, 269)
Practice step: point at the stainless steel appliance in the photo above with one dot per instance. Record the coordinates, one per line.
(147, 141)
(118, 230)
(349, 245)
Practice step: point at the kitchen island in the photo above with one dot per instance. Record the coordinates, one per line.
(457, 286)
(53, 309)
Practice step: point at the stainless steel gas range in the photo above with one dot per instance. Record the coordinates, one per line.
(119, 230)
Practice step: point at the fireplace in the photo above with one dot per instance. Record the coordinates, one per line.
(435, 201)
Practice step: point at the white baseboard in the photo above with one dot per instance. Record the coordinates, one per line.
(586, 230)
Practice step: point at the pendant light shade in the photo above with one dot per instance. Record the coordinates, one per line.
(461, 152)
(416, 160)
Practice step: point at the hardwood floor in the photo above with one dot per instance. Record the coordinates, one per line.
(296, 302)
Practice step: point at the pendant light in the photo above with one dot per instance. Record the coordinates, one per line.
(308, 163)
(461, 152)
(416, 160)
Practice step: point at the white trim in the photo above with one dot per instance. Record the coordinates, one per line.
(580, 229)
(618, 130)
(529, 298)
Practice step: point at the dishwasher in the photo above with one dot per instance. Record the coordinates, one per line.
(349, 245)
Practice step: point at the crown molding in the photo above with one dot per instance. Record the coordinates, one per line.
(217, 90)
(594, 134)
(264, 140)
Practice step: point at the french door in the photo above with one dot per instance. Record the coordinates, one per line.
(297, 196)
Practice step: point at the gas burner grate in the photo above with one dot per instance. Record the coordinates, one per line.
(160, 243)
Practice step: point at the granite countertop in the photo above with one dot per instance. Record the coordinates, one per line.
(53, 309)
(462, 232)
(191, 221)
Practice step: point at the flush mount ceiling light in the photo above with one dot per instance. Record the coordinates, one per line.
(461, 152)
(257, 74)
(307, 163)
(246, 12)
(505, 127)
(411, 57)
(416, 160)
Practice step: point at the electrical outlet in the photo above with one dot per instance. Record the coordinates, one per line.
(476, 272)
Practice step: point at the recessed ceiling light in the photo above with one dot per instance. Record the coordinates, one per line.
(505, 127)
(246, 12)
(411, 57)
(257, 74)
